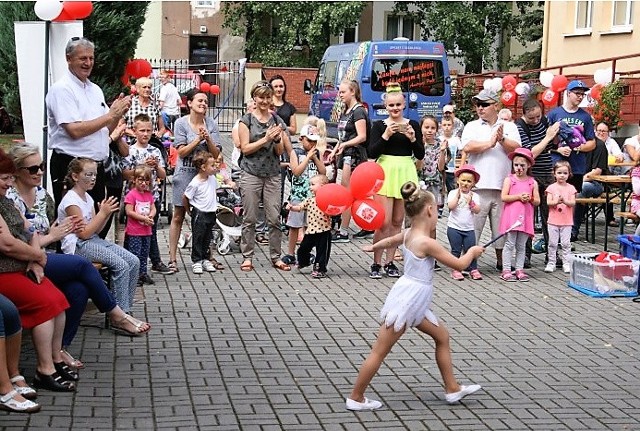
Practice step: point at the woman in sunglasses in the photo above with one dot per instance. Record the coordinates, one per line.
(74, 275)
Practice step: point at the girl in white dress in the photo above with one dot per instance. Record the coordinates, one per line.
(409, 301)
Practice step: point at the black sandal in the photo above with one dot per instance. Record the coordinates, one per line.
(66, 371)
(54, 382)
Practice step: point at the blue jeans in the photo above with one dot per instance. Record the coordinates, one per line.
(78, 279)
(459, 241)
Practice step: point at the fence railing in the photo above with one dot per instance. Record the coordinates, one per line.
(228, 105)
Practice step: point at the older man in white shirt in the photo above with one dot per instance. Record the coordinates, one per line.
(487, 141)
(79, 119)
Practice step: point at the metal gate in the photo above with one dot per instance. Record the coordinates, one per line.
(225, 107)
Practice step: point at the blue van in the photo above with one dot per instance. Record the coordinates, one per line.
(419, 67)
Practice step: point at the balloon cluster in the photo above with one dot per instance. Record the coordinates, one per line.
(366, 180)
(555, 84)
(54, 10)
(509, 86)
(205, 87)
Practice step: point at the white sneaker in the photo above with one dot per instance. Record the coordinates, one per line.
(208, 266)
(463, 392)
(367, 404)
(566, 268)
(197, 268)
(550, 267)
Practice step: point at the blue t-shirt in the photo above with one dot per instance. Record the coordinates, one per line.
(578, 161)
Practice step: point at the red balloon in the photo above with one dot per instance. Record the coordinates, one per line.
(509, 82)
(368, 214)
(64, 16)
(205, 87)
(333, 199)
(366, 180)
(138, 68)
(559, 83)
(549, 98)
(596, 92)
(78, 9)
(508, 98)
(125, 79)
(215, 89)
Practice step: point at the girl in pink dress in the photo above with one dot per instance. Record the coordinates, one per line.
(520, 195)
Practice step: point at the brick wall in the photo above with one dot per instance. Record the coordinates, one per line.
(294, 79)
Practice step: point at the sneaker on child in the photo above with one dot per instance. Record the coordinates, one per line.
(550, 267)
(340, 238)
(375, 271)
(566, 268)
(197, 268)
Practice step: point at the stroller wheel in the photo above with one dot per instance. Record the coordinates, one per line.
(223, 248)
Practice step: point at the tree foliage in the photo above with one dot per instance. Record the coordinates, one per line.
(527, 29)
(114, 27)
(471, 29)
(271, 29)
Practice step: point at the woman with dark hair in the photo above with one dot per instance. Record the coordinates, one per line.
(284, 109)
(192, 133)
(40, 304)
(262, 142)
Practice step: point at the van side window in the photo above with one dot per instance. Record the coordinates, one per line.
(319, 79)
(342, 69)
(329, 78)
(413, 74)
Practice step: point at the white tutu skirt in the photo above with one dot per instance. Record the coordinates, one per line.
(408, 303)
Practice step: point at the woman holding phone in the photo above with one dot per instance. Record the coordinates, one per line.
(262, 140)
(394, 141)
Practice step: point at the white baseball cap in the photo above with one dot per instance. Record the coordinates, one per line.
(308, 131)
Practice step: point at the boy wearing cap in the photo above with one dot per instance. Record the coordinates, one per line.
(574, 116)
(487, 141)
(309, 165)
(448, 112)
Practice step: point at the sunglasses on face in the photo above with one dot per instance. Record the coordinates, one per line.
(35, 168)
(483, 104)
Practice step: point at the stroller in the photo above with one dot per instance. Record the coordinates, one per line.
(227, 231)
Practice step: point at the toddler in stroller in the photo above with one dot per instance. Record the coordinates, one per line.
(227, 231)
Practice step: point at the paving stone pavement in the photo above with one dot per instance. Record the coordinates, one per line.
(269, 350)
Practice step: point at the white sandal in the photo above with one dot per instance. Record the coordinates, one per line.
(8, 403)
(26, 391)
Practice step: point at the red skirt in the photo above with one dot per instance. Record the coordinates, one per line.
(36, 303)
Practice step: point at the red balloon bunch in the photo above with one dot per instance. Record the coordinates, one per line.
(596, 92)
(508, 98)
(368, 214)
(559, 83)
(72, 10)
(138, 68)
(366, 180)
(549, 98)
(333, 199)
(205, 87)
(509, 82)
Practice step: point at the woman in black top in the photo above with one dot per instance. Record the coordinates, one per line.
(351, 147)
(284, 109)
(394, 142)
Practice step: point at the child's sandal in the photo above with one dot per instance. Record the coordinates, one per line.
(173, 266)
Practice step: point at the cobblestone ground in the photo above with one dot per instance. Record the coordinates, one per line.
(268, 350)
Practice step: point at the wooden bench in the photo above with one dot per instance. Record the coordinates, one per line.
(594, 207)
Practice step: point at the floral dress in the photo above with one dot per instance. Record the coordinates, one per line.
(430, 177)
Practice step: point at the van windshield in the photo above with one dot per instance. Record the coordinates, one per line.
(416, 75)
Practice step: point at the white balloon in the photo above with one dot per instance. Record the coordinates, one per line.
(522, 88)
(48, 10)
(545, 78)
(600, 76)
(486, 84)
(496, 84)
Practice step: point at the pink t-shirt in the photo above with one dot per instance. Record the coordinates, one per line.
(561, 215)
(142, 204)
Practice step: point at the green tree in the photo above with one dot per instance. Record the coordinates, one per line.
(475, 30)
(114, 27)
(271, 29)
(527, 28)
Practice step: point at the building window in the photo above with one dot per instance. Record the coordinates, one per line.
(584, 11)
(349, 35)
(622, 13)
(399, 26)
(206, 3)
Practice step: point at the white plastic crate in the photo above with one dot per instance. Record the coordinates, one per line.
(603, 279)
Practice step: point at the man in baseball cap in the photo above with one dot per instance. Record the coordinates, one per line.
(576, 84)
(448, 113)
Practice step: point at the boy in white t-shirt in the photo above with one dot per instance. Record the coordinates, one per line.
(463, 204)
(201, 202)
